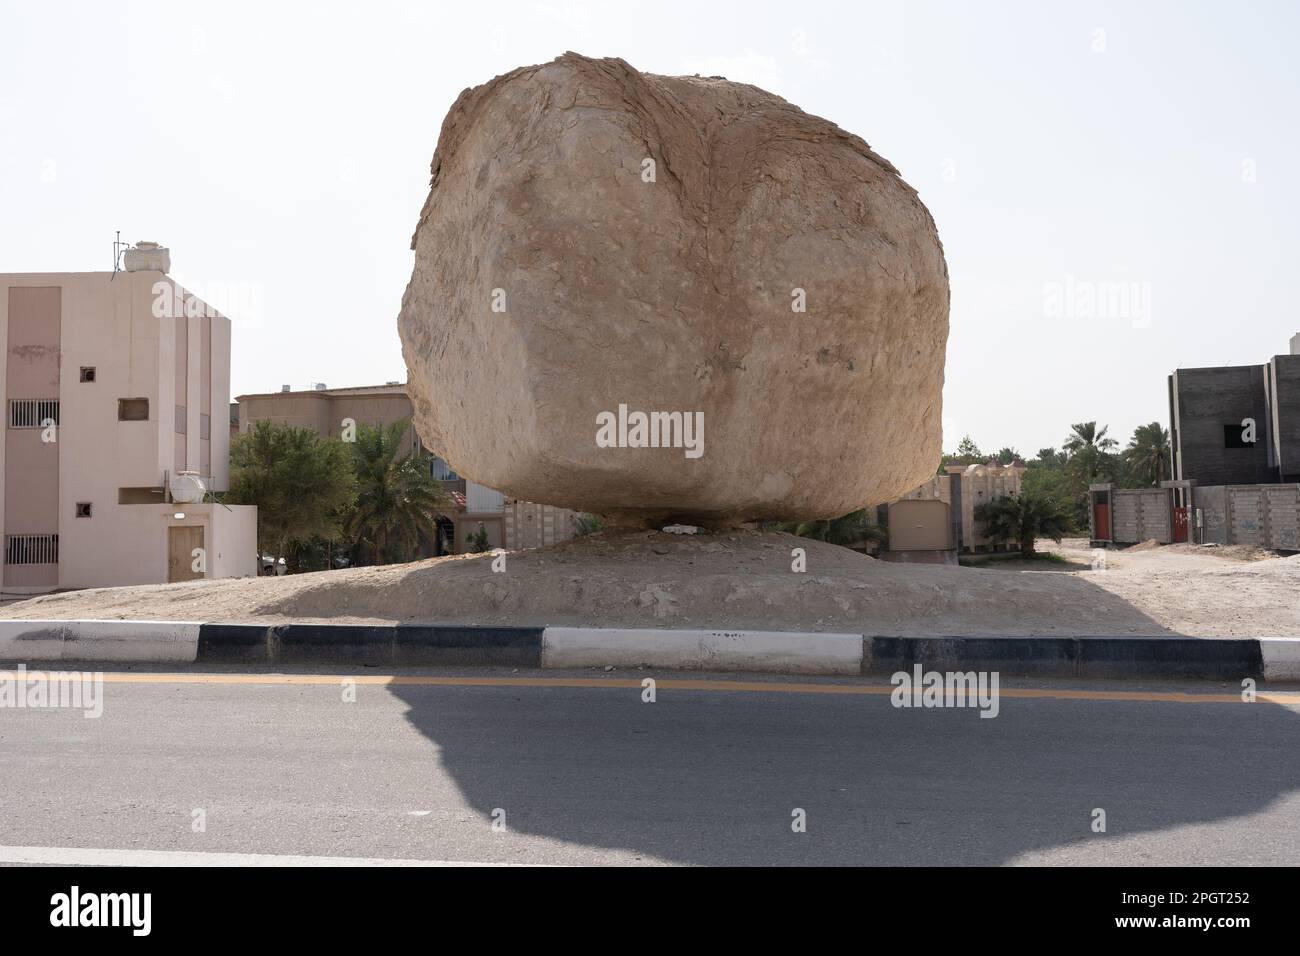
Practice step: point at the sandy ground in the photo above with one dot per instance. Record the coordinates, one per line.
(744, 579)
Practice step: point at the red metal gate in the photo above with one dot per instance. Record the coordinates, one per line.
(1102, 521)
(1180, 524)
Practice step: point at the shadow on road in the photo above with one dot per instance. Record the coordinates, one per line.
(714, 777)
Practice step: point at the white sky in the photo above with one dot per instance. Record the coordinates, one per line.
(282, 151)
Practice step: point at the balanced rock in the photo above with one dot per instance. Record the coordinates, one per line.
(672, 298)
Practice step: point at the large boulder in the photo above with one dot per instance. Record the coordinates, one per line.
(600, 243)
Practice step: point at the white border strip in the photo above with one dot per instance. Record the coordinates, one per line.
(1281, 657)
(786, 652)
(73, 856)
(175, 641)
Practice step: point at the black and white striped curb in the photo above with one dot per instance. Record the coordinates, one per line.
(782, 652)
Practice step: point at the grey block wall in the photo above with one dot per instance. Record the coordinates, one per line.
(1139, 514)
(1266, 516)
(1282, 517)
(1213, 505)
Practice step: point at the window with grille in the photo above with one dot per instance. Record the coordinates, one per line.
(31, 412)
(31, 549)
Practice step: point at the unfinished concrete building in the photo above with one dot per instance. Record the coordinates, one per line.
(1237, 424)
(1234, 434)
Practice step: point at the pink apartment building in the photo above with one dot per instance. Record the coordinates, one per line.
(116, 389)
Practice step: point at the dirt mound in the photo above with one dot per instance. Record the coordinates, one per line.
(1230, 552)
(733, 579)
(1146, 545)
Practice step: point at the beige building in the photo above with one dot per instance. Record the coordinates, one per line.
(950, 523)
(509, 523)
(111, 381)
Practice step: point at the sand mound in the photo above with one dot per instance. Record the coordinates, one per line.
(1230, 552)
(734, 579)
(1146, 545)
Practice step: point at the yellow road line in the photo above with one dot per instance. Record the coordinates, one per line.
(661, 683)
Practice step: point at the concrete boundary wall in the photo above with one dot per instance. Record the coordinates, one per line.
(1140, 514)
(1266, 516)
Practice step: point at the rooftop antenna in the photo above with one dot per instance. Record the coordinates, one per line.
(118, 248)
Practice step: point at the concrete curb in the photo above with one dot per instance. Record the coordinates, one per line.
(782, 652)
(1281, 657)
(1173, 658)
(372, 644)
(123, 641)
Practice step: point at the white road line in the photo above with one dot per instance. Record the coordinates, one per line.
(74, 856)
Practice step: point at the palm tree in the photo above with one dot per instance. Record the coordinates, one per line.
(1148, 452)
(1084, 435)
(398, 500)
(853, 530)
(1023, 519)
(1090, 453)
(1051, 458)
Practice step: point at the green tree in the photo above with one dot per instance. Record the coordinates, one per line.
(966, 448)
(398, 499)
(1050, 458)
(853, 530)
(1147, 454)
(1091, 459)
(1053, 484)
(1047, 475)
(585, 524)
(478, 541)
(1023, 519)
(1084, 435)
(1007, 455)
(967, 453)
(301, 483)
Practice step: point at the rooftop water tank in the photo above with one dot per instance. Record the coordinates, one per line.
(147, 257)
(188, 487)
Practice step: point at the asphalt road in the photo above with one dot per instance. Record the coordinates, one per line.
(281, 766)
